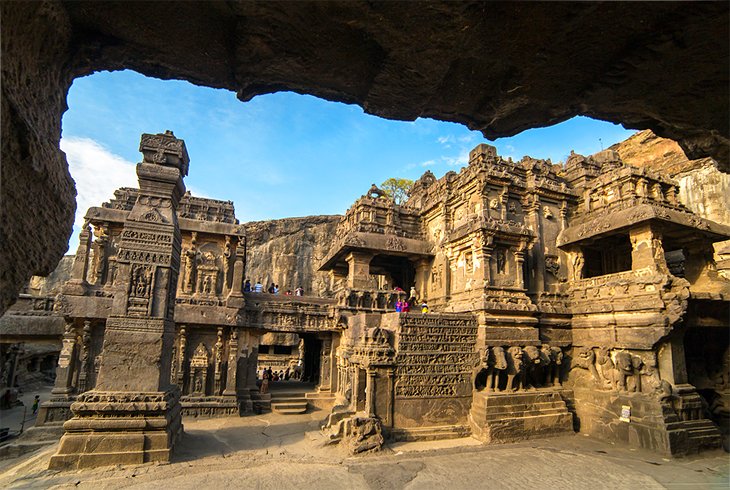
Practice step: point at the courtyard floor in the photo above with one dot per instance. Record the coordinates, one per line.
(273, 451)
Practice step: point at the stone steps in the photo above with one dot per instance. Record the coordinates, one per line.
(288, 403)
(432, 433)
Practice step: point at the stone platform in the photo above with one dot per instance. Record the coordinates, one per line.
(119, 428)
(651, 424)
(510, 417)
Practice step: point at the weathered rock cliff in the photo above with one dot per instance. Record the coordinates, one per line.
(286, 252)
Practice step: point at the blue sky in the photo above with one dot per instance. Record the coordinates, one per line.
(279, 155)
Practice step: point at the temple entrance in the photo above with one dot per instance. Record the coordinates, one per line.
(291, 356)
(312, 358)
(707, 352)
(393, 271)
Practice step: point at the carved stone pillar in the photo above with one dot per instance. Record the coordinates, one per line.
(370, 392)
(358, 276)
(84, 358)
(218, 367)
(66, 362)
(646, 248)
(423, 269)
(232, 365)
(325, 374)
(78, 284)
(133, 414)
(181, 350)
(519, 260)
(100, 252)
(235, 297)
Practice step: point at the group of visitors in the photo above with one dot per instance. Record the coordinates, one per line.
(269, 376)
(411, 302)
(273, 289)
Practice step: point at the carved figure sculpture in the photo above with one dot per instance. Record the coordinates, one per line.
(586, 360)
(496, 363)
(555, 366)
(659, 388)
(607, 370)
(627, 366)
(515, 369)
(501, 260)
(534, 365)
(578, 262)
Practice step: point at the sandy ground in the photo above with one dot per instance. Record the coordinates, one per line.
(273, 451)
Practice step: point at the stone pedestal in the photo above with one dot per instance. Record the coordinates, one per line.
(119, 428)
(510, 417)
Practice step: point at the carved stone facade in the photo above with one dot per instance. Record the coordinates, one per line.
(536, 301)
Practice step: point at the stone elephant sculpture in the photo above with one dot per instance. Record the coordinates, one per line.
(515, 369)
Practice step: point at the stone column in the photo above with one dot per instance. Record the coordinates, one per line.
(66, 361)
(84, 357)
(218, 363)
(646, 248)
(235, 297)
(423, 268)
(325, 371)
(519, 259)
(232, 366)
(133, 414)
(370, 392)
(358, 276)
(78, 284)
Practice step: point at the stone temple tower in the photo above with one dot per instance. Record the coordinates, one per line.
(133, 414)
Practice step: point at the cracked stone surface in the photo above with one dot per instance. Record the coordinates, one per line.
(500, 68)
(279, 451)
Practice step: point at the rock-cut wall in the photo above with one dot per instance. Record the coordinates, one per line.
(287, 251)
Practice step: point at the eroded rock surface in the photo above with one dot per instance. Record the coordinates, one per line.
(286, 252)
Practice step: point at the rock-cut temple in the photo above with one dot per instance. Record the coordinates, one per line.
(561, 298)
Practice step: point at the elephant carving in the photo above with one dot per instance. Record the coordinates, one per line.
(515, 369)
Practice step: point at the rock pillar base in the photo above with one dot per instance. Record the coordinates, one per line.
(111, 428)
(510, 417)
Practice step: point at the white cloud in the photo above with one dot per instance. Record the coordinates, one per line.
(98, 173)
(460, 160)
(428, 163)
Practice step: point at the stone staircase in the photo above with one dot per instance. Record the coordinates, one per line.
(510, 417)
(702, 434)
(430, 433)
(288, 403)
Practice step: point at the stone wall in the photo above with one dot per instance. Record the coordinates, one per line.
(287, 251)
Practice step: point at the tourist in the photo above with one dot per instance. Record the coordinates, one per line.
(299, 291)
(36, 402)
(405, 307)
(276, 376)
(413, 294)
(265, 382)
(398, 306)
(424, 307)
(247, 286)
(272, 288)
(258, 287)
(287, 375)
(276, 289)
(288, 292)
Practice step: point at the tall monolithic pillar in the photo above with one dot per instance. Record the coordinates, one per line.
(133, 414)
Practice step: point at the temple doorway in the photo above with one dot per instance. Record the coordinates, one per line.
(707, 352)
(393, 271)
